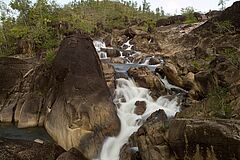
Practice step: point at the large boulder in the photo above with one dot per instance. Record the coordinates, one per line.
(22, 150)
(201, 139)
(150, 141)
(109, 74)
(171, 72)
(145, 78)
(83, 106)
(70, 97)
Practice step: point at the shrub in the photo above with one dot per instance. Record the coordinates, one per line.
(50, 56)
(188, 12)
(224, 26)
(217, 101)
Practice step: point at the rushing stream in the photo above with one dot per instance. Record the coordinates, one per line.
(126, 95)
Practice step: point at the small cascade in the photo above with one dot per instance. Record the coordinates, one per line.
(127, 93)
(170, 86)
(127, 46)
(102, 55)
(99, 45)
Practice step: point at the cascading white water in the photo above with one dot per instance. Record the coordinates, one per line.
(127, 93)
(127, 46)
(99, 45)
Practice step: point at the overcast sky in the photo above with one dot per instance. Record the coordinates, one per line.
(172, 6)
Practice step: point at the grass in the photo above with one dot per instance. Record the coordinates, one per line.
(217, 102)
(224, 26)
(50, 56)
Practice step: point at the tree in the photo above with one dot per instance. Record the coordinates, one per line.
(188, 12)
(162, 11)
(222, 3)
(146, 6)
(23, 7)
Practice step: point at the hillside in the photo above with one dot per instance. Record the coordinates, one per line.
(42, 25)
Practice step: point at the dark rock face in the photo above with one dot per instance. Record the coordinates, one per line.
(199, 139)
(72, 154)
(206, 81)
(70, 97)
(150, 139)
(25, 103)
(231, 14)
(213, 13)
(145, 78)
(11, 70)
(22, 150)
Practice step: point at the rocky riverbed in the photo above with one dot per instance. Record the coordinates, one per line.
(170, 94)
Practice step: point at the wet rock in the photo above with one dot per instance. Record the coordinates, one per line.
(170, 71)
(154, 61)
(145, 78)
(22, 150)
(119, 60)
(140, 107)
(150, 140)
(72, 154)
(111, 52)
(201, 139)
(109, 74)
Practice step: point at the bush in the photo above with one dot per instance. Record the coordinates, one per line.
(224, 26)
(50, 56)
(189, 14)
(217, 101)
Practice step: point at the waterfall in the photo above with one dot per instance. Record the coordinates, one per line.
(127, 93)
(99, 45)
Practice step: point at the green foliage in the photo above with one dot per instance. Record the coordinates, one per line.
(218, 103)
(44, 23)
(196, 64)
(188, 12)
(232, 55)
(224, 26)
(50, 56)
